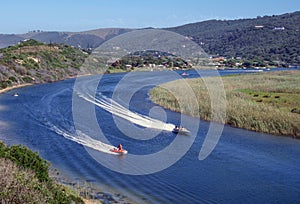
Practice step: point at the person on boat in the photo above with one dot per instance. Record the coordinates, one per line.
(120, 148)
(179, 128)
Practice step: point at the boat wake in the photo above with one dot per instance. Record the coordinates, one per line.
(116, 109)
(85, 140)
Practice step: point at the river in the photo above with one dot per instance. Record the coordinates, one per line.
(244, 167)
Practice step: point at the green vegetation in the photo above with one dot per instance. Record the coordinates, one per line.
(35, 62)
(263, 41)
(150, 58)
(282, 100)
(25, 179)
(264, 102)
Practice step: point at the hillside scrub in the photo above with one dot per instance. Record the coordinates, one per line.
(264, 102)
(35, 62)
(25, 179)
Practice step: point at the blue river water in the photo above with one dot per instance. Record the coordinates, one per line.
(244, 167)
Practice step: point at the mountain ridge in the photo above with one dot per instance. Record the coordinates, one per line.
(84, 39)
(267, 38)
(262, 41)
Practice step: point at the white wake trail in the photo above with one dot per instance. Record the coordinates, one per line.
(116, 109)
(85, 140)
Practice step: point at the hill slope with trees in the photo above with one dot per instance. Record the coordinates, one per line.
(270, 39)
(86, 39)
(262, 41)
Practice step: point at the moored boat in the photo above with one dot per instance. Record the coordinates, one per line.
(184, 74)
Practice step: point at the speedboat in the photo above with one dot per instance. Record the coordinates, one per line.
(181, 130)
(119, 151)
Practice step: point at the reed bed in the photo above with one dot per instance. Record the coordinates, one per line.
(263, 102)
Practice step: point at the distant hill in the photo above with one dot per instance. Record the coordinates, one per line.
(85, 39)
(262, 41)
(275, 39)
(150, 59)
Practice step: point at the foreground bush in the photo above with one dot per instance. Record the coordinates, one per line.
(25, 179)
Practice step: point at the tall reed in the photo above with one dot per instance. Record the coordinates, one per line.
(260, 102)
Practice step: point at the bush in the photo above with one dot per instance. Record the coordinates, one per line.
(2, 149)
(27, 79)
(3, 84)
(25, 179)
(13, 79)
(19, 186)
(28, 159)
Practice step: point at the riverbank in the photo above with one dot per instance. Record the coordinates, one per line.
(89, 192)
(32, 176)
(14, 87)
(262, 102)
(30, 84)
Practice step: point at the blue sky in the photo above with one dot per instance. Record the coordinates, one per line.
(21, 16)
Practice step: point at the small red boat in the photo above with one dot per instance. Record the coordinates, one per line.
(119, 151)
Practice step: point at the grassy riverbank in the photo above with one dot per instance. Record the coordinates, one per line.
(263, 102)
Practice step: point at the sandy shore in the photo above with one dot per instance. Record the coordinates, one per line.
(14, 87)
(29, 84)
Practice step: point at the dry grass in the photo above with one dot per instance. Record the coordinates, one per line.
(18, 185)
(261, 102)
(37, 48)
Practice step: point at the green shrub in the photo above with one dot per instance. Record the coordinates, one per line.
(25, 178)
(2, 149)
(27, 79)
(13, 79)
(3, 84)
(28, 159)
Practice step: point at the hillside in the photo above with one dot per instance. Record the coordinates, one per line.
(85, 39)
(35, 62)
(25, 179)
(269, 39)
(262, 41)
(149, 59)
